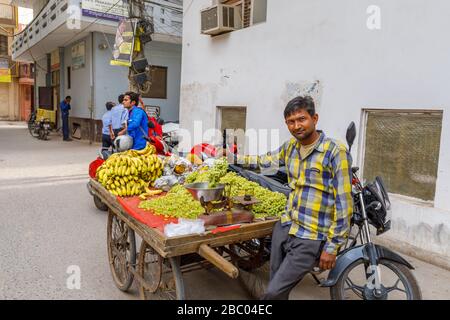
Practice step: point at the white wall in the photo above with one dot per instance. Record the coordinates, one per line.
(81, 81)
(41, 67)
(404, 65)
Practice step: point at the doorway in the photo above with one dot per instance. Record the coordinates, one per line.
(233, 120)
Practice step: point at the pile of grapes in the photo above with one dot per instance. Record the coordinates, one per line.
(272, 204)
(211, 175)
(177, 203)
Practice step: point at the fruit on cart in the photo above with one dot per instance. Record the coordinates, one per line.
(271, 203)
(149, 193)
(129, 173)
(177, 203)
(211, 175)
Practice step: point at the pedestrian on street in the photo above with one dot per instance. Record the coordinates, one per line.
(137, 126)
(65, 107)
(107, 131)
(119, 117)
(318, 211)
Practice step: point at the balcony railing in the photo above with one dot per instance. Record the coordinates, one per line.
(167, 15)
(42, 24)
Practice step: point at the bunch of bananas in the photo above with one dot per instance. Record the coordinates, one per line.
(129, 173)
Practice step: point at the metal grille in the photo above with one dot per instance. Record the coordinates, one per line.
(209, 19)
(403, 148)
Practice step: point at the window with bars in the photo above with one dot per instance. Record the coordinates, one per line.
(3, 45)
(403, 148)
(252, 11)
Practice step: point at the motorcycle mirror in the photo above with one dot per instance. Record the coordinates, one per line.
(351, 134)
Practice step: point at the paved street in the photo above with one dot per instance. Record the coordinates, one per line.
(49, 222)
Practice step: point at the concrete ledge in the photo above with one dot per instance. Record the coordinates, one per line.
(416, 252)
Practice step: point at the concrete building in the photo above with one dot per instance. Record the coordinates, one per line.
(382, 64)
(9, 88)
(71, 44)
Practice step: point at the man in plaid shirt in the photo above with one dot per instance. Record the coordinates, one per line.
(318, 211)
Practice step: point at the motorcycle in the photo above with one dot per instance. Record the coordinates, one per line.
(39, 128)
(363, 270)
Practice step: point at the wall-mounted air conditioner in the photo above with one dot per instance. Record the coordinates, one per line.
(219, 19)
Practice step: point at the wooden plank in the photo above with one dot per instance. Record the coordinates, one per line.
(216, 241)
(220, 262)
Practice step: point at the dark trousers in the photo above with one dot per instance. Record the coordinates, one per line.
(106, 141)
(65, 126)
(291, 258)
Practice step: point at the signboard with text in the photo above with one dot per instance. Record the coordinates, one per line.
(79, 55)
(114, 10)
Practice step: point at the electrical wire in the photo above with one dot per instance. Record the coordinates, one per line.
(90, 24)
(189, 6)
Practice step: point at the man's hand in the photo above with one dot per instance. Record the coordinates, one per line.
(327, 261)
(112, 136)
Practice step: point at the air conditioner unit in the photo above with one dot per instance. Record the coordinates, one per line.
(219, 19)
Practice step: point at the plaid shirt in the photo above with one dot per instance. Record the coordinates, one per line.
(320, 205)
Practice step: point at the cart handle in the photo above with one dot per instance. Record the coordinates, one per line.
(216, 259)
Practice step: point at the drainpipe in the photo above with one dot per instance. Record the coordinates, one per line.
(62, 78)
(92, 106)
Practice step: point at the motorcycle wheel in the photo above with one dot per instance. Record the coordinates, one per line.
(32, 128)
(346, 289)
(41, 134)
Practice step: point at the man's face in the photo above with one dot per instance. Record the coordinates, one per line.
(301, 125)
(68, 101)
(127, 102)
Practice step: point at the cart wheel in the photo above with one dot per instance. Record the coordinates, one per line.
(163, 277)
(121, 251)
(99, 204)
(252, 259)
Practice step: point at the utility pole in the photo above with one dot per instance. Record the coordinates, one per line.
(139, 73)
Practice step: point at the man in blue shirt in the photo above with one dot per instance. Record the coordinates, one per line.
(119, 117)
(137, 121)
(107, 130)
(65, 107)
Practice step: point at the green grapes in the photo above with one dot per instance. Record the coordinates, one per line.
(212, 175)
(178, 203)
(272, 204)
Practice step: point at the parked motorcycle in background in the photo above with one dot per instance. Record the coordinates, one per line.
(39, 128)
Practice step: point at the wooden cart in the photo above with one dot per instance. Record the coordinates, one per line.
(160, 263)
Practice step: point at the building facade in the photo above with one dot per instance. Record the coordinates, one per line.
(9, 88)
(71, 44)
(381, 64)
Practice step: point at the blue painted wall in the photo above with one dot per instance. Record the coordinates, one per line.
(109, 81)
